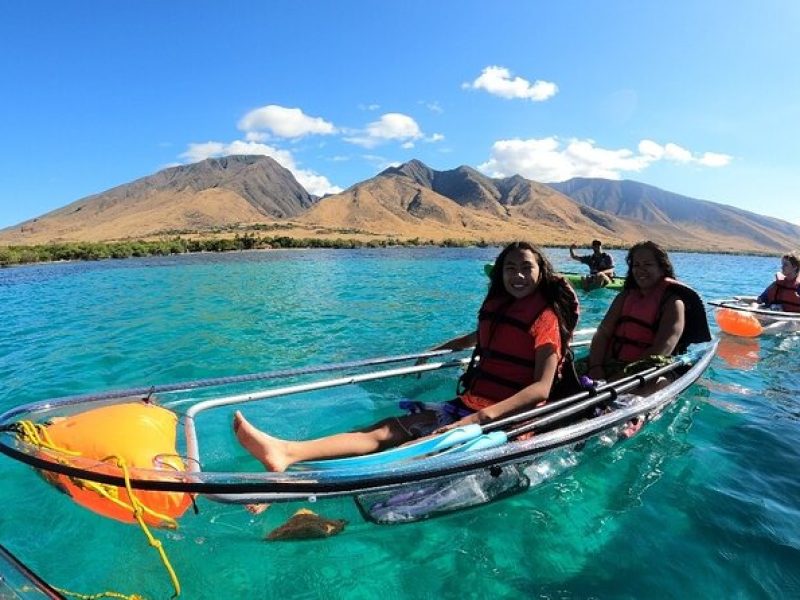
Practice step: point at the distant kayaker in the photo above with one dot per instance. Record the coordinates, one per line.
(784, 293)
(524, 327)
(653, 315)
(601, 265)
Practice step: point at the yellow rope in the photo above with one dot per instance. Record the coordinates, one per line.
(100, 595)
(37, 435)
(138, 509)
(110, 493)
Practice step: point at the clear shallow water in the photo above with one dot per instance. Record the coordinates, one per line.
(705, 502)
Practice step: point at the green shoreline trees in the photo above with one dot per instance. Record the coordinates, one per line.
(18, 255)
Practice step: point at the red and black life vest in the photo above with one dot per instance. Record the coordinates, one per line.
(784, 292)
(506, 346)
(641, 316)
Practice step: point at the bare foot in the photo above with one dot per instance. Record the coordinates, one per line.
(268, 450)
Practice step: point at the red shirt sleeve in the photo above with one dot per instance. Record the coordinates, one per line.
(545, 331)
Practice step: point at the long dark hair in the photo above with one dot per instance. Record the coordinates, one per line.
(557, 291)
(661, 256)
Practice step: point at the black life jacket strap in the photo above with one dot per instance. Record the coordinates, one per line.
(498, 317)
(505, 357)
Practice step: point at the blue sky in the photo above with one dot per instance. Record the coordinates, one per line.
(698, 97)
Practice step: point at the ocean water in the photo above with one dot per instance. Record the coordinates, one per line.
(704, 502)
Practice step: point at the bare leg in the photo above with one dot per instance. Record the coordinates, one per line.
(277, 454)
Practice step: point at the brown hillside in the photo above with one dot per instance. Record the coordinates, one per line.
(154, 214)
(411, 201)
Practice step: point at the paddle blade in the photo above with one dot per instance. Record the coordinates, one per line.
(483, 442)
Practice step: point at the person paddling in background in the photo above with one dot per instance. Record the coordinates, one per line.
(784, 292)
(524, 327)
(653, 315)
(601, 266)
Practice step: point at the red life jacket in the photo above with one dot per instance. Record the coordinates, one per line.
(505, 346)
(784, 292)
(641, 316)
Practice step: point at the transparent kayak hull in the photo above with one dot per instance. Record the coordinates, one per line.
(302, 484)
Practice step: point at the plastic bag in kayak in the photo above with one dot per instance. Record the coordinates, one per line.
(415, 502)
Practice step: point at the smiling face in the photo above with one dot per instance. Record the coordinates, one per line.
(520, 273)
(647, 272)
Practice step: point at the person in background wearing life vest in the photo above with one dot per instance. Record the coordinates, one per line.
(784, 293)
(524, 328)
(601, 266)
(653, 315)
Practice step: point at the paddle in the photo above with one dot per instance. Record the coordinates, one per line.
(493, 434)
(475, 436)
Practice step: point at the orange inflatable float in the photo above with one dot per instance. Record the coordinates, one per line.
(141, 434)
(738, 352)
(737, 322)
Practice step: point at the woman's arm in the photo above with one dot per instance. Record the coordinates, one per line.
(764, 297)
(670, 329)
(602, 337)
(459, 343)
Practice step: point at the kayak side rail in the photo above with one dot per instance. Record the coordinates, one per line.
(736, 303)
(192, 445)
(46, 405)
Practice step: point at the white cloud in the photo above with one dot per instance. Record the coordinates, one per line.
(256, 136)
(198, 152)
(390, 127)
(436, 137)
(650, 148)
(676, 153)
(498, 81)
(369, 107)
(714, 159)
(313, 182)
(284, 122)
(547, 159)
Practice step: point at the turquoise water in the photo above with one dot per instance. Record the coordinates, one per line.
(705, 502)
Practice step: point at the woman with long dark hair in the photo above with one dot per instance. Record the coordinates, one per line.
(653, 315)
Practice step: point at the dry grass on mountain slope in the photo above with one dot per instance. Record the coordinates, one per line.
(152, 216)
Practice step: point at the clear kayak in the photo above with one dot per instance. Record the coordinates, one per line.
(187, 459)
(743, 316)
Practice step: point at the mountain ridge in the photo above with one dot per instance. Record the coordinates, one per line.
(411, 201)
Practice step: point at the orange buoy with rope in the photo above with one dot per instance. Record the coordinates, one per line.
(737, 322)
(110, 440)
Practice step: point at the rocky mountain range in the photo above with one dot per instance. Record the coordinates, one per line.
(410, 201)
